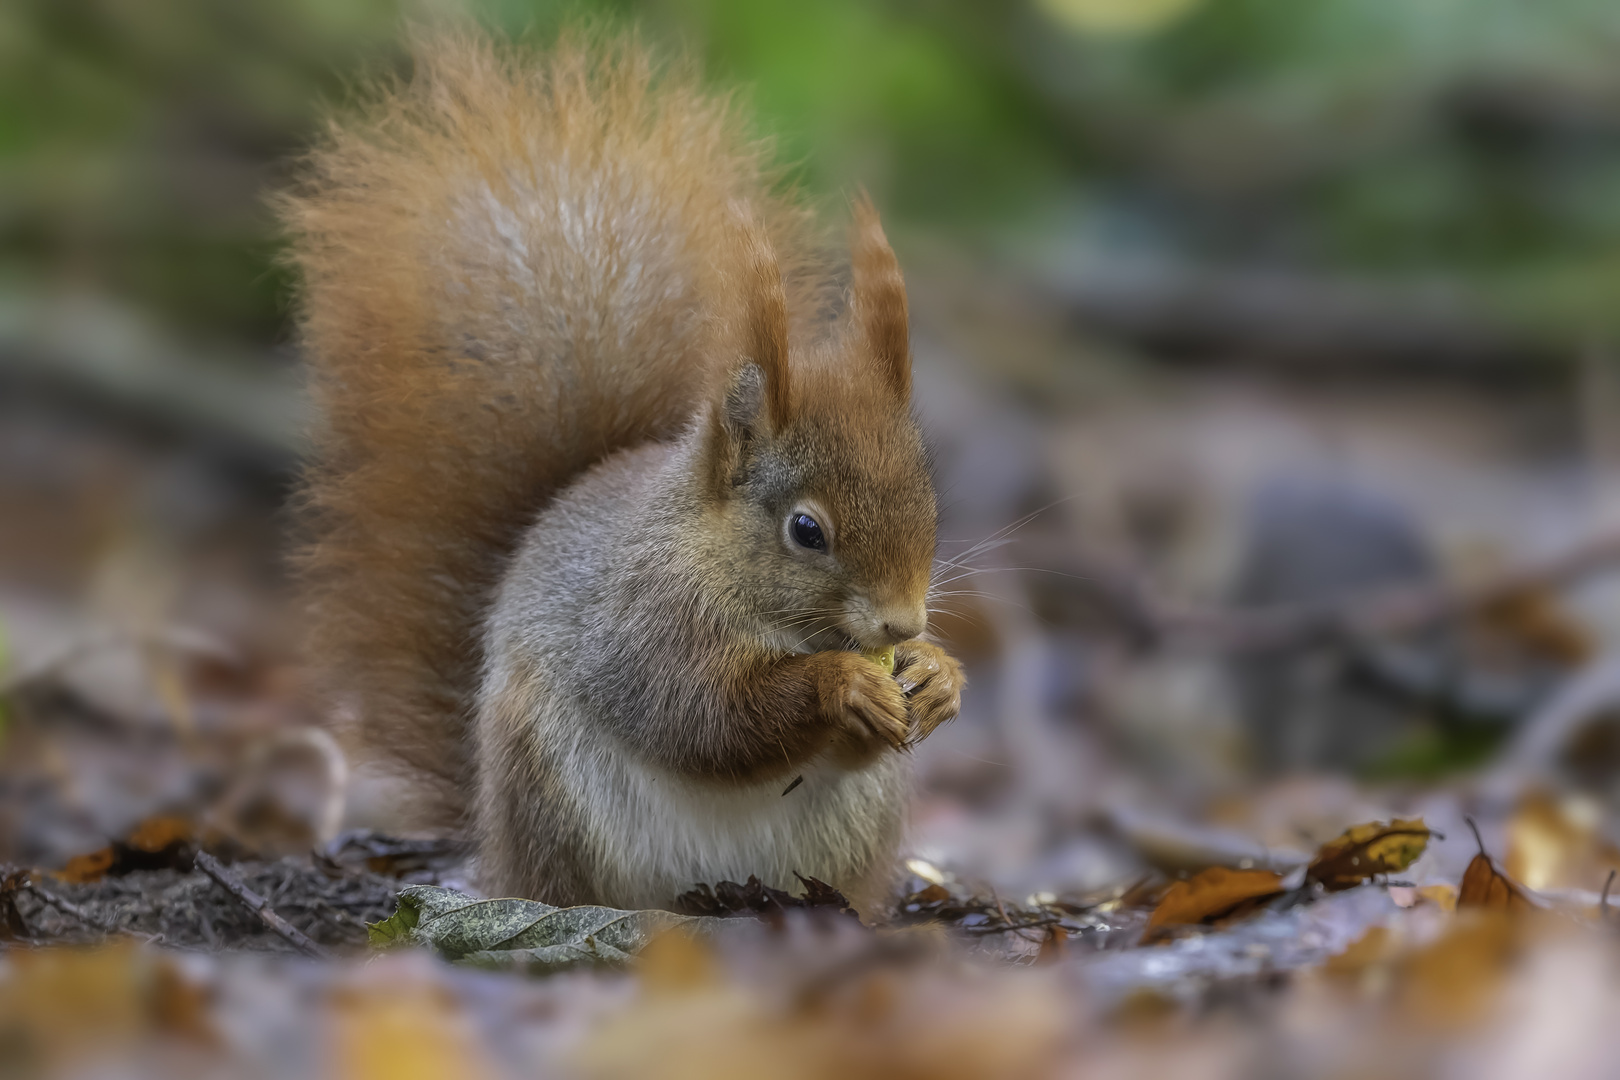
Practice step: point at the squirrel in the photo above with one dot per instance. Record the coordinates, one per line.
(615, 474)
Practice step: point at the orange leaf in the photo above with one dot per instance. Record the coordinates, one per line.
(83, 869)
(155, 834)
(1484, 886)
(1210, 895)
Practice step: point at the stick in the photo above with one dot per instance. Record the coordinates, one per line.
(70, 909)
(259, 906)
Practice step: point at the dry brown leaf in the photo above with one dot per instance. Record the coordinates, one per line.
(1484, 886)
(156, 843)
(83, 869)
(1212, 894)
(159, 833)
(1365, 850)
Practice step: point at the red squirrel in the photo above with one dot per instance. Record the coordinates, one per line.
(615, 476)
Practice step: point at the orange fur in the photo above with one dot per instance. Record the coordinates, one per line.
(513, 266)
(616, 471)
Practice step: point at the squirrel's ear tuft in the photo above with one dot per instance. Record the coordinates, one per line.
(880, 297)
(764, 337)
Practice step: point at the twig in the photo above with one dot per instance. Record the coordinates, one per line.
(1013, 927)
(259, 906)
(70, 909)
(1603, 901)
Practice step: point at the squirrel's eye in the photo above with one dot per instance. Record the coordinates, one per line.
(807, 533)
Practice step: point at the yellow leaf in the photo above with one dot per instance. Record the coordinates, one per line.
(402, 1031)
(1366, 850)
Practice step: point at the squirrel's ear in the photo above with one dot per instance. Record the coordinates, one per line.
(758, 395)
(880, 297)
(739, 421)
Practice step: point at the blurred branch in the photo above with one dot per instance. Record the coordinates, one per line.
(1383, 612)
(96, 353)
(1298, 321)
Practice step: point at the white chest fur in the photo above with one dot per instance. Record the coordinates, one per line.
(655, 835)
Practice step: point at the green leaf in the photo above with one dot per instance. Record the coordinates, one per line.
(394, 930)
(526, 934)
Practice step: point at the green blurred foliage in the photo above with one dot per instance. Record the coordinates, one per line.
(1476, 142)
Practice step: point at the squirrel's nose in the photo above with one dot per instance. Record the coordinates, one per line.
(903, 626)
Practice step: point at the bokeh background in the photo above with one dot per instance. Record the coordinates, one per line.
(1239, 324)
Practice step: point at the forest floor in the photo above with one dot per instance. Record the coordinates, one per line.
(1100, 880)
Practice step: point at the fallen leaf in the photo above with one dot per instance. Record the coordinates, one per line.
(756, 898)
(1366, 850)
(1212, 894)
(158, 843)
(524, 934)
(157, 834)
(402, 1029)
(83, 869)
(1484, 886)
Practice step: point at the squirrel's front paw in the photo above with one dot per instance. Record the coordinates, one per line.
(932, 681)
(864, 703)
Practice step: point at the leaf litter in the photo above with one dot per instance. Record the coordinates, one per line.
(118, 956)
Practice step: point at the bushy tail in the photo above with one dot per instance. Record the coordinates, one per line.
(511, 263)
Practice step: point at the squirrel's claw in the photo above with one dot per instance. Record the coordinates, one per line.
(931, 680)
